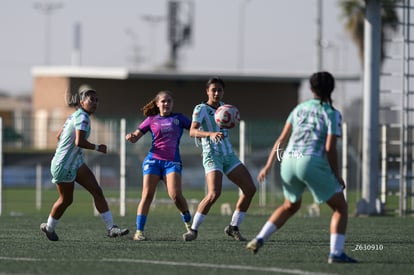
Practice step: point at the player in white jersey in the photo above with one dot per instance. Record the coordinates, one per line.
(218, 159)
(68, 166)
(310, 161)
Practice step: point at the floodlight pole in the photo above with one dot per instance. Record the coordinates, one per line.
(135, 58)
(319, 36)
(242, 21)
(153, 21)
(47, 8)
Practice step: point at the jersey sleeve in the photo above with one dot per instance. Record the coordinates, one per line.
(82, 122)
(291, 116)
(185, 121)
(335, 123)
(144, 127)
(197, 113)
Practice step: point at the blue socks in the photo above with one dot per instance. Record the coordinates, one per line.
(141, 220)
(186, 216)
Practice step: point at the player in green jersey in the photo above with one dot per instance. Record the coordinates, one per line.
(310, 161)
(218, 159)
(68, 165)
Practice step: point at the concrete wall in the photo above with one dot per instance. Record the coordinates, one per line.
(254, 99)
(123, 98)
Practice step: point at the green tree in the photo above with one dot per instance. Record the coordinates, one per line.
(353, 12)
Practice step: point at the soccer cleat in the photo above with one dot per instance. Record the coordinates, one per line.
(191, 235)
(115, 231)
(52, 236)
(188, 226)
(343, 258)
(139, 236)
(233, 231)
(254, 245)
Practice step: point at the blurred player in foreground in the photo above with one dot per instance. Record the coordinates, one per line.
(310, 160)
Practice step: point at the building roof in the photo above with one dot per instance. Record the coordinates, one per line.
(125, 73)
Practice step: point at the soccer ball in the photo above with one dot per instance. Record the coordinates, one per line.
(227, 116)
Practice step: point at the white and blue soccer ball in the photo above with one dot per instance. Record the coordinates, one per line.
(227, 116)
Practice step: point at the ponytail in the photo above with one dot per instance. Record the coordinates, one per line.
(323, 84)
(151, 109)
(74, 99)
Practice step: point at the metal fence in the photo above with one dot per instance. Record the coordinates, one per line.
(24, 165)
(23, 150)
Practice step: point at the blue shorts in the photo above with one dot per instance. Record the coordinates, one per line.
(309, 172)
(220, 162)
(160, 167)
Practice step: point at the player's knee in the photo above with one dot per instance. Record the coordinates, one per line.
(149, 197)
(342, 210)
(252, 189)
(291, 207)
(97, 191)
(67, 201)
(176, 197)
(212, 197)
(248, 189)
(338, 204)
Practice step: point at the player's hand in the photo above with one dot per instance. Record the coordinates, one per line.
(262, 175)
(217, 136)
(131, 137)
(102, 148)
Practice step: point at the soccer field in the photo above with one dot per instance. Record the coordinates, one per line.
(383, 245)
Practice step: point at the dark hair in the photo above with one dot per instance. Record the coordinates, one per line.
(83, 92)
(323, 84)
(214, 80)
(151, 109)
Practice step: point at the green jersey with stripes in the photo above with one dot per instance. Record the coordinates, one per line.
(204, 114)
(67, 154)
(312, 122)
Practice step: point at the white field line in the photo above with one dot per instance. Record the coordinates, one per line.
(188, 264)
(219, 266)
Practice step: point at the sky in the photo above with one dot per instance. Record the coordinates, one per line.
(232, 36)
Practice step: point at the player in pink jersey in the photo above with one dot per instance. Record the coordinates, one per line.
(163, 161)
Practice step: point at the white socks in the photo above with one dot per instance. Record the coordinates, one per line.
(237, 218)
(337, 243)
(107, 219)
(197, 220)
(267, 230)
(51, 224)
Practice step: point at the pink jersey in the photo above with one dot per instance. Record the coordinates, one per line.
(166, 133)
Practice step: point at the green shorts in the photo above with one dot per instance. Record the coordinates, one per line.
(220, 162)
(61, 173)
(312, 172)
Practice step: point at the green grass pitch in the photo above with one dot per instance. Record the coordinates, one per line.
(383, 245)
